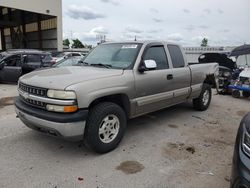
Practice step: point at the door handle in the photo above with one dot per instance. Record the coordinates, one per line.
(170, 76)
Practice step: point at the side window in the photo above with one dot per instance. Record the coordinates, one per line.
(176, 56)
(33, 58)
(13, 61)
(158, 54)
(76, 54)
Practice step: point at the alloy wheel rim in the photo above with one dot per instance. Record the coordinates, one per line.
(205, 98)
(109, 128)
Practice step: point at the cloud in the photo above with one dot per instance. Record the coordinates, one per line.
(189, 28)
(111, 2)
(90, 36)
(203, 26)
(220, 11)
(155, 31)
(82, 12)
(225, 30)
(207, 11)
(186, 11)
(132, 29)
(158, 20)
(154, 10)
(176, 37)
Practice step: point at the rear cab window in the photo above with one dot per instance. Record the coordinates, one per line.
(176, 56)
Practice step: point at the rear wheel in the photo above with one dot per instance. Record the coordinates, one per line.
(246, 94)
(105, 127)
(236, 93)
(203, 101)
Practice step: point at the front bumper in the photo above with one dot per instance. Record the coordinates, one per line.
(69, 126)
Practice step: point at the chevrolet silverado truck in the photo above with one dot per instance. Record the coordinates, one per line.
(115, 82)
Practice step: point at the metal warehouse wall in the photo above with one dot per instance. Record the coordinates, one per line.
(42, 30)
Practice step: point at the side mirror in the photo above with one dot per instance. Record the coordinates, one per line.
(147, 65)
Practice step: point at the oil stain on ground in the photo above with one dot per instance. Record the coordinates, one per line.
(130, 167)
(241, 113)
(172, 126)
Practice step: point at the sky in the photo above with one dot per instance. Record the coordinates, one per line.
(187, 22)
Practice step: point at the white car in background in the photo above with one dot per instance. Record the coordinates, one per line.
(64, 55)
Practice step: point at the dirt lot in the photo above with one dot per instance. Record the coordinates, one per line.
(172, 148)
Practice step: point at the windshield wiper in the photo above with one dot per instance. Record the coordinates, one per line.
(82, 63)
(101, 65)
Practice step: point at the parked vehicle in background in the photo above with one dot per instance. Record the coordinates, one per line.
(240, 177)
(16, 63)
(118, 81)
(58, 56)
(71, 61)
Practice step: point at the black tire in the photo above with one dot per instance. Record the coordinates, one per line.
(199, 103)
(236, 93)
(96, 117)
(246, 94)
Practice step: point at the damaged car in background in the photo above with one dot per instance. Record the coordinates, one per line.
(226, 68)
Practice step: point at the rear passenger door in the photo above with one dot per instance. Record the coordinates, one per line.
(11, 70)
(181, 74)
(31, 62)
(154, 87)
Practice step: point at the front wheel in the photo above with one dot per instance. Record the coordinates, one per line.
(203, 101)
(105, 127)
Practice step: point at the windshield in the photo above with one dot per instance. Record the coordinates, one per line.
(67, 62)
(243, 61)
(116, 55)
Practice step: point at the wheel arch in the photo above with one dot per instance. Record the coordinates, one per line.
(120, 99)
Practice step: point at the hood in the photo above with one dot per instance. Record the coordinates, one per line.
(219, 58)
(245, 73)
(62, 77)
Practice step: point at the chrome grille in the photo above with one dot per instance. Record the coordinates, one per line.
(35, 103)
(33, 90)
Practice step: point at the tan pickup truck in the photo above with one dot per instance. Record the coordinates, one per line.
(115, 82)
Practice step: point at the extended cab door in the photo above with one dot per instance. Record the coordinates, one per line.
(11, 69)
(181, 74)
(154, 88)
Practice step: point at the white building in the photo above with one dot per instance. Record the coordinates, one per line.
(35, 24)
(193, 53)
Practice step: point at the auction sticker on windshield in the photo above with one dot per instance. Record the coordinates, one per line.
(129, 46)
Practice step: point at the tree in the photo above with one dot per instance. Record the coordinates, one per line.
(77, 44)
(204, 42)
(66, 42)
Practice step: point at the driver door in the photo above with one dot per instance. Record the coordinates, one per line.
(154, 87)
(12, 69)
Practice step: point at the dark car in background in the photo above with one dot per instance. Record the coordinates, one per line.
(16, 63)
(240, 177)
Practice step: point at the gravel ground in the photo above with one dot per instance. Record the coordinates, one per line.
(171, 148)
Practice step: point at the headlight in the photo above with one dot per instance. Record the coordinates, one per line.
(226, 74)
(58, 94)
(246, 141)
(57, 108)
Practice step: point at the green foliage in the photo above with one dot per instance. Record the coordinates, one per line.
(204, 42)
(66, 42)
(77, 44)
